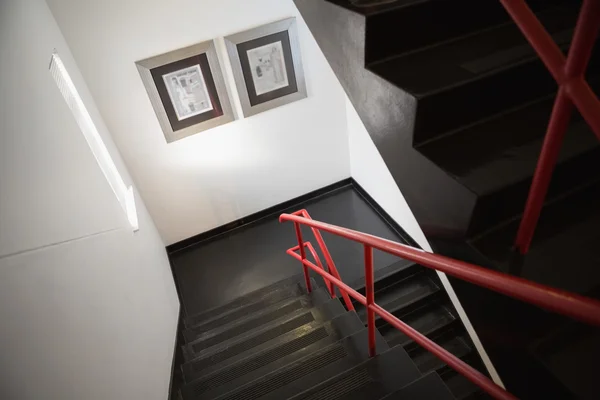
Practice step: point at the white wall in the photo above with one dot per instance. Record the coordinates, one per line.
(220, 175)
(88, 308)
(369, 170)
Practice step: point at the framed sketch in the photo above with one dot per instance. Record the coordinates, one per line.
(187, 90)
(267, 66)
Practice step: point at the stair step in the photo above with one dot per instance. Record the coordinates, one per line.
(425, 22)
(291, 287)
(232, 351)
(376, 7)
(401, 297)
(462, 388)
(295, 377)
(376, 377)
(427, 361)
(570, 222)
(577, 167)
(519, 162)
(287, 349)
(387, 276)
(503, 155)
(428, 387)
(278, 320)
(570, 354)
(450, 80)
(428, 320)
(450, 63)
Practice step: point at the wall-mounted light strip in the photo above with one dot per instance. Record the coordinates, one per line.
(92, 136)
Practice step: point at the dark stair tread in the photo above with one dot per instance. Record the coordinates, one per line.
(428, 387)
(252, 331)
(208, 371)
(232, 351)
(570, 353)
(569, 223)
(427, 361)
(295, 377)
(293, 286)
(397, 297)
(386, 276)
(471, 56)
(489, 138)
(428, 320)
(380, 6)
(518, 164)
(461, 387)
(374, 378)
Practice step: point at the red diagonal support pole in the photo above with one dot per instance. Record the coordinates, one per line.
(574, 89)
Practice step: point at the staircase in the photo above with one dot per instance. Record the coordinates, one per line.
(282, 343)
(451, 89)
(457, 103)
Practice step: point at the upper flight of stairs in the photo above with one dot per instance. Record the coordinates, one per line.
(282, 343)
(457, 103)
(452, 93)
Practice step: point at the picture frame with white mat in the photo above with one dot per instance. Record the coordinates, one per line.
(267, 66)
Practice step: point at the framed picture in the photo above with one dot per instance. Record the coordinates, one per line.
(187, 90)
(267, 66)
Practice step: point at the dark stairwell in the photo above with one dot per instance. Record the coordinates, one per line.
(457, 103)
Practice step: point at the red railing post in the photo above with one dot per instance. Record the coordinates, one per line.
(303, 255)
(559, 122)
(370, 295)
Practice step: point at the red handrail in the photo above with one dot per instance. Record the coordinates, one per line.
(330, 264)
(573, 90)
(566, 303)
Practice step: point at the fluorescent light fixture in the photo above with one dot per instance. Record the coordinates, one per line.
(92, 136)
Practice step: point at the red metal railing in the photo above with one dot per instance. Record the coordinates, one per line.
(569, 304)
(569, 73)
(330, 264)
